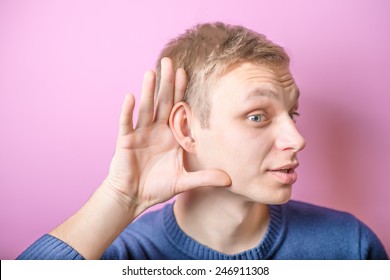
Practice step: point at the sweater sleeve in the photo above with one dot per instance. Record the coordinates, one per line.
(49, 247)
(371, 247)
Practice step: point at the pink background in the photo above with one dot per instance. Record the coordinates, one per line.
(65, 67)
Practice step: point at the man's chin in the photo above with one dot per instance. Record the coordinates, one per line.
(269, 197)
(278, 195)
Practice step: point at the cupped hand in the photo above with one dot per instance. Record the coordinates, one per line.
(147, 167)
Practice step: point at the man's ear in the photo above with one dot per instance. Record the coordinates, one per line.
(180, 124)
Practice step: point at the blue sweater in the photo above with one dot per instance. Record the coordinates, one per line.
(296, 231)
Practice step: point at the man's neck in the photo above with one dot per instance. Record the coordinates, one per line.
(221, 220)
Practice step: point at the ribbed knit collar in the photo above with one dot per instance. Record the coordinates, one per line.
(195, 250)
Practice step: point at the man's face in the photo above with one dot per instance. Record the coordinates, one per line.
(252, 135)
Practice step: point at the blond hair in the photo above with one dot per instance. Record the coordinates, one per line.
(208, 51)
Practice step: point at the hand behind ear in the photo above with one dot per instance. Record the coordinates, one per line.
(147, 167)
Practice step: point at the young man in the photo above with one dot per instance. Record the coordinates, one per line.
(226, 144)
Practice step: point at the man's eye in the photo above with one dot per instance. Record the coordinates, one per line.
(294, 116)
(257, 118)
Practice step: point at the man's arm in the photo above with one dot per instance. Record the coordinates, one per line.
(146, 169)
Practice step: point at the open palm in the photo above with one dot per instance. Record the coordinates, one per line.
(147, 167)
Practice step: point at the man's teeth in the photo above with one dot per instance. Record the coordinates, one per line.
(284, 170)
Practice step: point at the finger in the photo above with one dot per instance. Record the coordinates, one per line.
(126, 118)
(146, 108)
(165, 94)
(180, 85)
(203, 178)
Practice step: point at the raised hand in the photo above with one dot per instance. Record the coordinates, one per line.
(147, 167)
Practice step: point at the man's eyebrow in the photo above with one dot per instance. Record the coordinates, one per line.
(261, 92)
(266, 92)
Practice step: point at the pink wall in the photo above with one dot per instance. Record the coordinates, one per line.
(66, 65)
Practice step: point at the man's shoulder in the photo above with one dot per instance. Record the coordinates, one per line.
(318, 221)
(317, 232)
(298, 209)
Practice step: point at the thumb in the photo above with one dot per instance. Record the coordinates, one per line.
(203, 178)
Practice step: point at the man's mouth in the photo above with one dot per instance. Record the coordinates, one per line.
(290, 170)
(286, 174)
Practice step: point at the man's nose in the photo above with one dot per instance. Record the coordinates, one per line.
(288, 136)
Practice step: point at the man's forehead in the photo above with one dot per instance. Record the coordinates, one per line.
(264, 90)
(259, 80)
(258, 71)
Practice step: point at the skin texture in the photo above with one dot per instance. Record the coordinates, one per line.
(252, 133)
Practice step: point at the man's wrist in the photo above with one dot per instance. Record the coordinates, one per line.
(130, 204)
(96, 225)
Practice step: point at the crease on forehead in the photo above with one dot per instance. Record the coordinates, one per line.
(281, 76)
(265, 86)
(270, 91)
(262, 80)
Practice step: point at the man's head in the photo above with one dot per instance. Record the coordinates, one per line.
(208, 51)
(239, 112)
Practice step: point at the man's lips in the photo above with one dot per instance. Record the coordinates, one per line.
(287, 168)
(285, 174)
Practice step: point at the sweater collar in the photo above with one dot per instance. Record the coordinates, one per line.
(196, 250)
